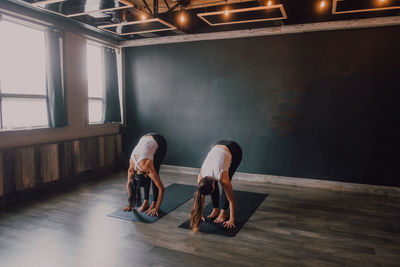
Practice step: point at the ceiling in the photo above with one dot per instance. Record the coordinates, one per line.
(138, 19)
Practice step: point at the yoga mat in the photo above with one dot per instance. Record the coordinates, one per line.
(174, 196)
(246, 204)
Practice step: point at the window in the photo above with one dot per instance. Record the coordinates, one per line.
(95, 83)
(22, 77)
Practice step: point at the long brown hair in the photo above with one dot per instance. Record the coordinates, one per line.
(205, 188)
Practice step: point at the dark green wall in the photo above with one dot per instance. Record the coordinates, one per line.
(316, 105)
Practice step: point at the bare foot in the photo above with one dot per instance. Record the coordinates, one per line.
(221, 217)
(144, 206)
(128, 208)
(214, 213)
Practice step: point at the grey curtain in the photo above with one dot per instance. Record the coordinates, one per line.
(55, 99)
(111, 106)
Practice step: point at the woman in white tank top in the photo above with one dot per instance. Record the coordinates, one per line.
(219, 166)
(144, 167)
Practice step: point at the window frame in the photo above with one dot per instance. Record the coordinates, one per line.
(90, 42)
(43, 29)
(120, 74)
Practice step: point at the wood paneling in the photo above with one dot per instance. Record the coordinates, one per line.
(49, 167)
(8, 158)
(109, 149)
(1, 174)
(67, 159)
(79, 155)
(91, 152)
(25, 168)
(86, 153)
(118, 139)
(79, 164)
(101, 151)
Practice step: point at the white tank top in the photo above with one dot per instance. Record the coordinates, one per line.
(217, 161)
(145, 149)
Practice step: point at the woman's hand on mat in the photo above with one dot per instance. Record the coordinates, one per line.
(229, 224)
(128, 208)
(152, 212)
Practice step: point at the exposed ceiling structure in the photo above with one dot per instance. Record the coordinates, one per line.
(138, 19)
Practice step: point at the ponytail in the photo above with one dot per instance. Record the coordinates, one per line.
(205, 188)
(195, 216)
(135, 198)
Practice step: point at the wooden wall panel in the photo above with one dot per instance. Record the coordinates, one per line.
(101, 151)
(66, 159)
(118, 139)
(1, 174)
(109, 150)
(92, 152)
(80, 159)
(49, 169)
(25, 168)
(9, 158)
(86, 152)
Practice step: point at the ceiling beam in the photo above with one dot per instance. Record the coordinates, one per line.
(280, 30)
(155, 8)
(147, 6)
(166, 3)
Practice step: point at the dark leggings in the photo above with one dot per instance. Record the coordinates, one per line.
(157, 160)
(236, 153)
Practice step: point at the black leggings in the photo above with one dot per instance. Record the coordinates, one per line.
(157, 160)
(236, 153)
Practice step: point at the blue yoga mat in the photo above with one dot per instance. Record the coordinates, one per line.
(174, 196)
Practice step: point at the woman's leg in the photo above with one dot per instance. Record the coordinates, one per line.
(158, 159)
(215, 196)
(146, 191)
(236, 153)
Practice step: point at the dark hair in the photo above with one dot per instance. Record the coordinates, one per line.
(138, 181)
(141, 179)
(205, 188)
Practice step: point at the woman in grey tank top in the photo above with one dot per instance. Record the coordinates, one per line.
(144, 173)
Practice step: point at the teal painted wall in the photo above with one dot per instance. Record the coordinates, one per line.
(316, 105)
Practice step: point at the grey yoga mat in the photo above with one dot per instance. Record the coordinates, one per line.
(246, 204)
(174, 196)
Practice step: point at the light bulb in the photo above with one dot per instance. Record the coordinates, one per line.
(322, 4)
(182, 18)
(143, 17)
(269, 3)
(226, 12)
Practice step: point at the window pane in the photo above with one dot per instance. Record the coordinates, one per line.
(24, 112)
(95, 110)
(94, 67)
(22, 64)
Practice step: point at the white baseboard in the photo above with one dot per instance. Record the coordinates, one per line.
(295, 181)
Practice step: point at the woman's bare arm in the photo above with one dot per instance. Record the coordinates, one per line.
(157, 181)
(131, 172)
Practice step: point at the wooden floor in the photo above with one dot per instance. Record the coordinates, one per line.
(293, 227)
